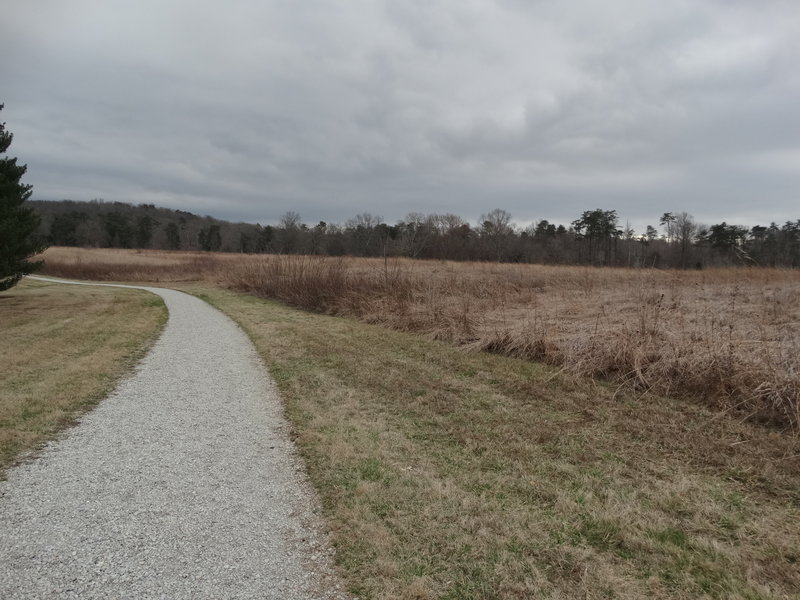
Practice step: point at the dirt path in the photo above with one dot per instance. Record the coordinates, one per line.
(182, 484)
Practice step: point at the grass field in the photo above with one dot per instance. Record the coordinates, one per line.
(728, 337)
(455, 475)
(64, 348)
(473, 475)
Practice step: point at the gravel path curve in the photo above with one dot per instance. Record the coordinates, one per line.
(181, 484)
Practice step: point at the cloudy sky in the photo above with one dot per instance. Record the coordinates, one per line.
(247, 109)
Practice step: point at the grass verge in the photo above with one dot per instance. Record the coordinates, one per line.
(64, 348)
(452, 475)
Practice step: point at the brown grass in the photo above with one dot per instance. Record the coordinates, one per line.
(454, 475)
(111, 264)
(728, 336)
(469, 475)
(64, 348)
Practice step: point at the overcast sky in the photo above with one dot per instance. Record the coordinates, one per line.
(247, 109)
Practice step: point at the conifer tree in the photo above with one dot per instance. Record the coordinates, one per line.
(18, 223)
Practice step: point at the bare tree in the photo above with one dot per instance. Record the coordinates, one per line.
(628, 234)
(416, 232)
(496, 229)
(290, 220)
(363, 231)
(289, 232)
(685, 230)
(448, 222)
(454, 236)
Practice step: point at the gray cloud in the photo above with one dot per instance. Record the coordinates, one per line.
(334, 108)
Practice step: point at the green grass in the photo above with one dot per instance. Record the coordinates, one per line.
(446, 474)
(64, 349)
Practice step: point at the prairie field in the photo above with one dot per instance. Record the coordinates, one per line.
(730, 337)
(457, 475)
(454, 474)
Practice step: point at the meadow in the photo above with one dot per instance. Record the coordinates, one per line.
(727, 337)
(455, 475)
(451, 473)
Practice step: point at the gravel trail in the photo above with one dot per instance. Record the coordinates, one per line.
(181, 484)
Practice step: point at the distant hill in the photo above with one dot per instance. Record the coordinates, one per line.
(118, 225)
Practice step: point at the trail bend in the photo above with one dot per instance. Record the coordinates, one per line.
(183, 483)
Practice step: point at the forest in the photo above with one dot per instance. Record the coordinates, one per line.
(597, 237)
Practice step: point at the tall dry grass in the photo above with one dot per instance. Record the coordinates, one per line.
(321, 284)
(447, 474)
(731, 337)
(728, 336)
(112, 264)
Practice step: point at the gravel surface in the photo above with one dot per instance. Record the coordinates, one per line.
(182, 484)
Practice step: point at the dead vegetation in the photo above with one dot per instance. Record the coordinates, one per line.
(109, 264)
(466, 475)
(728, 336)
(471, 475)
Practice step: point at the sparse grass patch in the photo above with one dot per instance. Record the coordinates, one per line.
(64, 348)
(446, 474)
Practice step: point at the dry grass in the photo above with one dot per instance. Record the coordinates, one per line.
(728, 336)
(64, 347)
(111, 264)
(455, 475)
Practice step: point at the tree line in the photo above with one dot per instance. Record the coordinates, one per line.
(597, 237)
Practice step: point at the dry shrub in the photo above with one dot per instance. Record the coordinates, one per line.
(322, 284)
(722, 375)
(726, 354)
(299, 281)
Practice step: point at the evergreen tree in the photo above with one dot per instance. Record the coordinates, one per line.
(17, 221)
